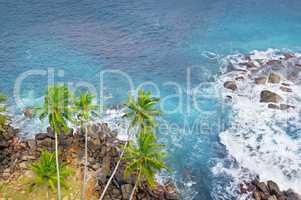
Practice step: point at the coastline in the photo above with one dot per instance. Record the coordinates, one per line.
(103, 151)
(262, 88)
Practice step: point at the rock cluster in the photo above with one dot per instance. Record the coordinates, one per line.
(268, 191)
(272, 75)
(103, 153)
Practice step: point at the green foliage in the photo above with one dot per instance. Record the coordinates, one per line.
(57, 107)
(145, 157)
(45, 172)
(142, 111)
(84, 107)
(3, 117)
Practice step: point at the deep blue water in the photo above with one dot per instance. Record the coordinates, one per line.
(150, 41)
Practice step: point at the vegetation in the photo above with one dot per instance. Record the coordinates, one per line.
(142, 114)
(85, 109)
(57, 108)
(45, 173)
(143, 155)
(3, 117)
(144, 159)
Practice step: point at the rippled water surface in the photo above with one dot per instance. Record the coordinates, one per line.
(150, 41)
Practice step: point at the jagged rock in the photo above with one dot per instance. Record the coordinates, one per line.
(285, 107)
(273, 188)
(28, 112)
(239, 78)
(231, 85)
(260, 80)
(288, 56)
(4, 144)
(267, 96)
(250, 65)
(291, 195)
(274, 78)
(126, 191)
(285, 84)
(286, 89)
(257, 195)
(262, 187)
(104, 171)
(273, 106)
(273, 197)
(31, 144)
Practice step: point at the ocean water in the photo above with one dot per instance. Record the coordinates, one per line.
(165, 42)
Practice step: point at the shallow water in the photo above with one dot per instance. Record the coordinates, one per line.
(150, 41)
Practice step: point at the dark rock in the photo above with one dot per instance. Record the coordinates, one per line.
(285, 84)
(31, 144)
(288, 56)
(28, 112)
(286, 89)
(285, 107)
(126, 191)
(257, 195)
(260, 80)
(274, 78)
(269, 97)
(291, 195)
(273, 188)
(249, 65)
(273, 106)
(273, 197)
(4, 144)
(262, 187)
(41, 136)
(231, 85)
(239, 78)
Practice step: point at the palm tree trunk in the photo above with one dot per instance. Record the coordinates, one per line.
(116, 167)
(135, 187)
(57, 167)
(47, 194)
(86, 165)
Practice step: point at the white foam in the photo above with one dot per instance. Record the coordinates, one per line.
(258, 138)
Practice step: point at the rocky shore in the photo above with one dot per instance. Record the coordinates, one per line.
(267, 191)
(267, 80)
(103, 149)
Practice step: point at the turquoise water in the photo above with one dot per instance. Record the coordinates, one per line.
(149, 41)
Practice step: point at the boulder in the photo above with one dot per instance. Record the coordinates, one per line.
(267, 96)
(126, 191)
(273, 197)
(274, 78)
(285, 107)
(28, 112)
(291, 195)
(260, 80)
(257, 195)
(273, 188)
(273, 106)
(286, 89)
(263, 187)
(231, 85)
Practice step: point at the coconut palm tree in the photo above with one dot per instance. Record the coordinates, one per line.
(3, 117)
(57, 108)
(144, 159)
(142, 114)
(85, 110)
(45, 173)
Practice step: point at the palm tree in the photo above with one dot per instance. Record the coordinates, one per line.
(142, 113)
(45, 173)
(144, 159)
(57, 107)
(85, 109)
(3, 117)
